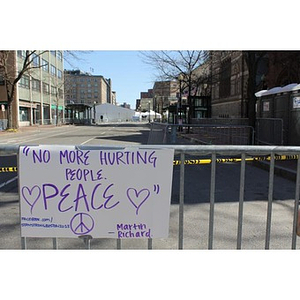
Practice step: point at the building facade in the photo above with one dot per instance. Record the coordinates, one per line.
(230, 78)
(39, 96)
(83, 91)
(84, 88)
(165, 94)
(228, 84)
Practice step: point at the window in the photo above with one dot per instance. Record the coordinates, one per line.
(59, 55)
(21, 53)
(45, 65)
(53, 52)
(53, 90)
(46, 88)
(53, 70)
(225, 78)
(36, 60)
(36, 85)
(59, 73)
(23, 114)
(24, 82)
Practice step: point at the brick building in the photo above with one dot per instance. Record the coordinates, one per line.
(229, 80)
(84, 88)
(83, 91)
(228, 84)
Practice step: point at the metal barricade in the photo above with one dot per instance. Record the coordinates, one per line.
(215, 154)
(205, 134)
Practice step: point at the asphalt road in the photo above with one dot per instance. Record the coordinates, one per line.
(197, 191)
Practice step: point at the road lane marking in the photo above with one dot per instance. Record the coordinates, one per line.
(8, 182)
(87, 141)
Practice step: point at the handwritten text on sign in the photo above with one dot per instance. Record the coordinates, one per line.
(68, 192)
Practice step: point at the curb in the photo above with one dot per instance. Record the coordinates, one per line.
(279, 171)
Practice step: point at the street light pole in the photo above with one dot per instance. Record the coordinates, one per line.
(149, 111)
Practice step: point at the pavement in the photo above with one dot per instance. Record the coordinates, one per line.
(28, 129)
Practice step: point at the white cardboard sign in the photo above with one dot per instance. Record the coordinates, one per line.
(68, 192)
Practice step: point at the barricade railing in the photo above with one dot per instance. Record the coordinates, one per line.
(214, 154)
(206, 134)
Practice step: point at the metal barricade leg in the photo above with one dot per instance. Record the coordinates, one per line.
(270, 201)
(296, 206)
(55, 243)
(241, 201)
(23, 243)
(181, 201)
(212, 201)
(119, 244)
(150, 244)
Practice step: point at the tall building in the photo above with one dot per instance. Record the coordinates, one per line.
(39, 96)
(83, 91)
(84, 88)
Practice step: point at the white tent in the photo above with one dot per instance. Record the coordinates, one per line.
(144, 116)
(111, 113)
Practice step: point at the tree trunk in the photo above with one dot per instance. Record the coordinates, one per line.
(251, 102)
(252, 66)
(9, 115)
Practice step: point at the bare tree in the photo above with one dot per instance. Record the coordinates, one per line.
(11, 75)
(178, 65)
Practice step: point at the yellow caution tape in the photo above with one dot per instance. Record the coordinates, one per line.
(200, 161)
(229, 160)
(8, 169)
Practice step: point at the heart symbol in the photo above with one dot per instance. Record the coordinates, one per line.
(137, 198)
(31, 196)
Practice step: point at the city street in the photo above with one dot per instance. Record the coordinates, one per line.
(197, 194)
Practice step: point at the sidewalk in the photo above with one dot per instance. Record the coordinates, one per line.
(32, 128)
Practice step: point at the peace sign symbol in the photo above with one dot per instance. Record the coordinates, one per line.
(82, 224)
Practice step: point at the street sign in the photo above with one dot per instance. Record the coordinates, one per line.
(99, 193)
